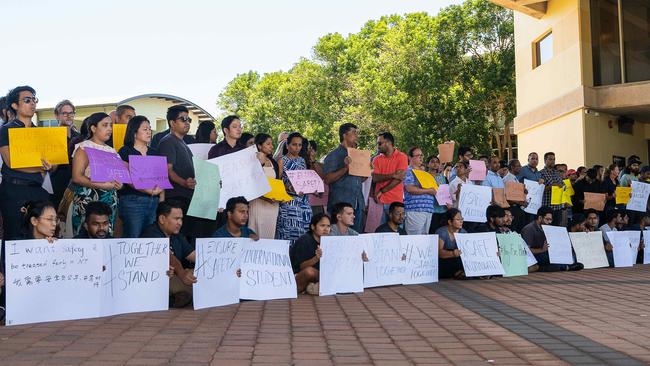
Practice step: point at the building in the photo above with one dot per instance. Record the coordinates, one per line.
(152, 106)
(583, 78)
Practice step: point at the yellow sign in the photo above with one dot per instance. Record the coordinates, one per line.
(623, 195)
(566, 197)
(556, 195)
(426, 180)
(278, 191)
(569, 187)
(119, 131)
(27, 146)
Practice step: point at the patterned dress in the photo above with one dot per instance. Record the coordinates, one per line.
(84, 195)
(296, 214)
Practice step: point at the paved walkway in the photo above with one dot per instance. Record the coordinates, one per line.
(592, 317)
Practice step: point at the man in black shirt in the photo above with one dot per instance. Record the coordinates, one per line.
(231, 127)
(395, 220)
(169, 219)
(96, 223)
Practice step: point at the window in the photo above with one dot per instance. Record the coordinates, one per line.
(606, 46)
(543, 49)
(636, 38)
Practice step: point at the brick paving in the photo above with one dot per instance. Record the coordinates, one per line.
(588, 317)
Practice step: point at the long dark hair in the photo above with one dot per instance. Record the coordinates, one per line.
(260, 139)
(316, 219)
(203, 132)
(132, 129)
(93, 120)
(33, 209)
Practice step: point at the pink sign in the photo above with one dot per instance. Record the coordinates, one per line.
(106, 166)
(479, 170)
(147, 172)
(443, 196)
(375, 211)
(305, 181)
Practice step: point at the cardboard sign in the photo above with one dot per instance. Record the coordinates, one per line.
(360, 165)
(107, 166)
(278, 191)
(205, 200)
(446, 152)
(473, 202)
(443, 196)
(119, 132)
(559, 244)
(421, 258)
(147, 172)
(385, 266)
(341, 266)
(639, 199)
(426, 180)
(534, 196)
(479, 254)
(515, 191)
(27, 146)
(499, 195)
(623, 195)
(200, 151)
(479, 170)
(589, 249)
(266, 271)
(595, 201)
(306, 181)
(512, 250)
(217, 261)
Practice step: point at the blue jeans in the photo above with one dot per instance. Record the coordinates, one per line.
(136, 213)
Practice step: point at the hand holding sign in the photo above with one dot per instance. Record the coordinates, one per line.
(306, 181)
(360, 162)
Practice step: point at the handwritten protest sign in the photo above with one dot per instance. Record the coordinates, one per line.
(589, 249)
(205, 200)
(623, 195)
(200, 150)
(473, 202)
(556, 195)
(559, 244)
(625, 247)
(27, 146)
(534, 196)
(646, 247)
(50, 282)
(446, 152)
(426, 180)
(513, 255)
(136, 275)
(479, 170)
(479, 254)
(217, 261)
(360, 165)
(241, 175)
(421, 258)
(306, 181)
(515, 191)
(385, 266)
(595, 201)
(147, 172)
(107, 166)
(639, 199)
(443, 196)
(119, 132)
(341, 266)
(499, 195)
(266, 271)
(278, 191)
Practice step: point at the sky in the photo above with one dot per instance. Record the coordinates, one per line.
(89, 50)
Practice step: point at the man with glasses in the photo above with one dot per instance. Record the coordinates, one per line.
(396, 215)
(155, 140)
(19, 185)
(465, 154)
(179, 163)
(64, 113)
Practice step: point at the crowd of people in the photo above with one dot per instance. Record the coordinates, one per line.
(82, 208)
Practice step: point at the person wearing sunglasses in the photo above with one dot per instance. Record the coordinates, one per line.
(19, 185)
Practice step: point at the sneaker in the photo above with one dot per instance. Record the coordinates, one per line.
(576, 266)
(181, 299)
(313, 288)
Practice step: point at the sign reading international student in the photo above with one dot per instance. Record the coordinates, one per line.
(266, 271)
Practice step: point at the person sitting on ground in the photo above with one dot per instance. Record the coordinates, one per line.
(169, 219)
(449, 262)
(623, 223)
(343, 220)
(496, 217)
(96, 222)
(591, 222)
(577, 223)
(612, 220)
(236, 219)
(506, 228)
(39, 221)
(307, 254)
(395, 220)
(534, 236)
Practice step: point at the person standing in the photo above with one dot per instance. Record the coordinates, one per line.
(418, 202)
(263, 214)
(552, 178)
(64, 113)
(389, 171)
(206, 133)
(465, 154)
(231, 128)
(295, 215)
(530, 171)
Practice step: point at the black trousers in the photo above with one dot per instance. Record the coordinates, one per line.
(12, 198)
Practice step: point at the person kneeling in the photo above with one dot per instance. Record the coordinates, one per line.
(307, 254)
(395, 221)
(97, 221)
(237, 217)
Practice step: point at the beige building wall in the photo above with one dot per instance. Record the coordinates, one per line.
(605, 141)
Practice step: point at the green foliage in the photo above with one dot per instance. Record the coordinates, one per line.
(425, 78)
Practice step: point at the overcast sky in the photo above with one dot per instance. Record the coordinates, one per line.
(97, 50)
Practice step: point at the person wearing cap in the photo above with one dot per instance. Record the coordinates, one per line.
(631, 171)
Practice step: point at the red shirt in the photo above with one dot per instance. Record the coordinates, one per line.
(385, 165)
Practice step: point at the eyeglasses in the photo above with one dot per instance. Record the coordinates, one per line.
(28, 100)
(55, 220)
(185, 119)
(66, 114)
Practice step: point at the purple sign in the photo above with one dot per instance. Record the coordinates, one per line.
(148, 172)
(106, 166)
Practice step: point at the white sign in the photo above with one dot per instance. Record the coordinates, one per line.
(341, 266)
(639, 199)
(241, 175)
(559, 244)
(534, 196)
(217, 261)
(473, 202)
(625, 247)
(306, 181)
(266, 271)
(530, 257)
(479, 253)
(421, 258)
(50, 282)
(136, 275)
(646, 247)
(385, 266)
(589, 249)
(200, 150)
